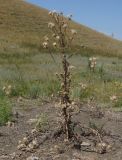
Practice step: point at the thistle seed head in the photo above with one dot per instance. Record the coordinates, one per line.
(57, 37)
(65, 25)
(46, 38)
(54, 44)
(73, 31)
(69, 16)
(51, 25)
(113, 98)
(45, 45)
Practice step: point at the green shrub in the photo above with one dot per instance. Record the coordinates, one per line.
(5, 110)
(118, 103)
(2, 94)
(101, 71)
(49, 87)
(34, 91)
(18, 89)
(42, 123)
(82, 94)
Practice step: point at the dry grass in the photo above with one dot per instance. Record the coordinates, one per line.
(22, 27)
(34, 75)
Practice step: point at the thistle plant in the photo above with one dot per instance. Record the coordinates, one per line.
(62, 37)
(92, 63)
(7, 90)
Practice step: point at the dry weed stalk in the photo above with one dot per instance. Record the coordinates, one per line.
(92, 63)
(62, 37)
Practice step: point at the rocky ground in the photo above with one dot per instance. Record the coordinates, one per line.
(49, 144)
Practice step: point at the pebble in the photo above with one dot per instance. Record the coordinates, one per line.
(85, 144)
(32, 158)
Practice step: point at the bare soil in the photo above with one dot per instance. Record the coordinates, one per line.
(55, 147)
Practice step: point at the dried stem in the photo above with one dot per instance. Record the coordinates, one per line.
(65, 99)
(63, 37)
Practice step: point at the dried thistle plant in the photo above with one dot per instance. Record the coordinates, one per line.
(62, 37)
(7, 90)
(92, 63)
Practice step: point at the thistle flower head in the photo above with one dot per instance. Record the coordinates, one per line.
(90, 59)
(73, 31)
(9, 87)
(69, 16)
(57, 37)
(113, 98)
(83, 85)
(94, 58)
(45, 45)
(54, 11)
(65, 25)
(51, 13)
(7, 93)
(46, 38)
(61, 13)
(71, 67)
(54, 44)
(33, 131)
(92, 65)
(34, 142)
(54, 35)
(51, 25)
(92, 62)
(4, 88)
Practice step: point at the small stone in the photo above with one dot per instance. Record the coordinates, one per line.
(25, 141)
(102, 148)
(56, 157)
(30, 146)
(35, 143)
(59, 149)
(32, 158)
(109, 147)
(56, 146)
(10, 124)
(86, 144)
(20, 142)
(66, 140)
(21, 146)
(32, 121)
(73, 103)
(19, 99)
(33, 131)
(13, 155)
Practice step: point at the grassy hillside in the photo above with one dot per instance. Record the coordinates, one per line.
(23, 25)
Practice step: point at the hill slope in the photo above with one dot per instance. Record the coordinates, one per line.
(23, 25)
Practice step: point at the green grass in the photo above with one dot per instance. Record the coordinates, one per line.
(35, 77)
(42, 123)
(5, 110)
(101, 84)
(30, 70)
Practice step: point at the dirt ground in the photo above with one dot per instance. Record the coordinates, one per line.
(57, 148)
